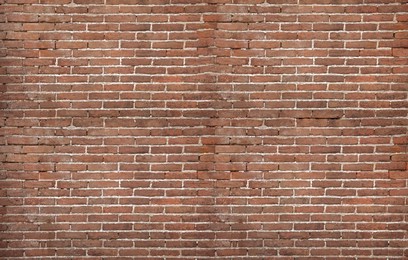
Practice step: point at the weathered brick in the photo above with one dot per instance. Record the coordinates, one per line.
(197, 129)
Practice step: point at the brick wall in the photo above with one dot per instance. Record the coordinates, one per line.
(204, 129)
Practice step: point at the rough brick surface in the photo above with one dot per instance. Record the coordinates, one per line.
(204, 129)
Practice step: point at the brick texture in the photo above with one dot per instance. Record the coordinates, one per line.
(204, 129)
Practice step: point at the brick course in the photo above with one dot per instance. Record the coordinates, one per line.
(204, 129)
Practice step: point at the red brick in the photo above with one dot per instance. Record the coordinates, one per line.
(203, 127)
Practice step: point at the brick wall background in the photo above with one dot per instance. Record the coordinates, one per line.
(204, 129)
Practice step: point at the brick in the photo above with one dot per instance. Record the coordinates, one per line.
(203, 127)
(400, 52)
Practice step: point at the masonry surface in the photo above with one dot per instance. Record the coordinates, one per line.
(204, 129)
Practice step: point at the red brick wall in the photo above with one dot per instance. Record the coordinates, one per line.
(204, 129)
